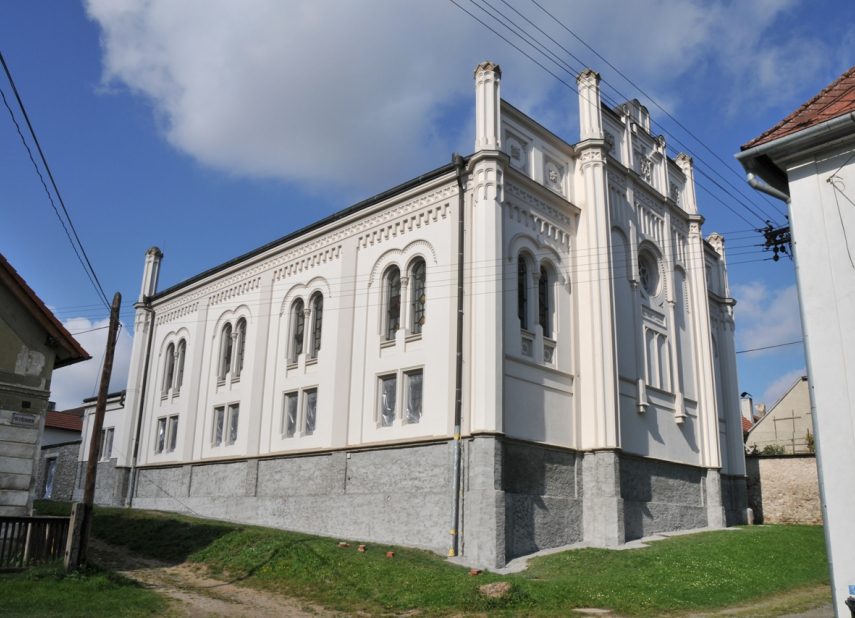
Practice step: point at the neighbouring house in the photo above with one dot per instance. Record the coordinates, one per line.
(111, 484)
(310, 384)
(808, 161)
(57, 467)
(33, 343)
(788, 426)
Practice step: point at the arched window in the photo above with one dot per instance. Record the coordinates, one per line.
(419, 278)
(393, 302)
(179, 375)
(299, 325)
(648, 275)
(544, 302)
(226, 351)
(317, 324)
(241, 346)
(522, 292)
(169, 370)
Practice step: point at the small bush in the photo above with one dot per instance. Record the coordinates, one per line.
(774, 449)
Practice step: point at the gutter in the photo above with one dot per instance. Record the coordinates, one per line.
(459, 164)
(146, 306)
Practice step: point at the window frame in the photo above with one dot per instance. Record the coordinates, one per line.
(298, 329)
(107, 434)
(408, 389)
(317, 306)
(522, 291)
(219, 423)
(225, 351)
(392, 312)
(179, 374)
(307, 394)
(168, 369)
(545, 301)
(232, 423)
(172, 433)
(381, 392)
(418, 300)
(240, 348)
(285, 430)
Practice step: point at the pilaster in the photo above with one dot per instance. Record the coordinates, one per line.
(488, 119)
(602, 505)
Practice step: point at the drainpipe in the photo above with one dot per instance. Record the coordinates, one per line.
(459, 165)
(132, 483)
(769, 190)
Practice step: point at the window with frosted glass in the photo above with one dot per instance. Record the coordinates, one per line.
(234, 415)
(160, 440)
(290, 413)
(388, 391)
(219, 422)
(172, 433)
(50, 471)
(414, 396)
(311, 399)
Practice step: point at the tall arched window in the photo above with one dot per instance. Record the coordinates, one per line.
(419, 278)
(543, 302)
(179, 374)
(169, 369)
(241, 346)
(393, 302)
(317, 324)
(226, 351)
(522, 292)
(297, 329)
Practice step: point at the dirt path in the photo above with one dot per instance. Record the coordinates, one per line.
(196, 596)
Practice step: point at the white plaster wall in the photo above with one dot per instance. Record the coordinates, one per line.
(819, 216)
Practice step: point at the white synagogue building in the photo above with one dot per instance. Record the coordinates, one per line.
(311, 383)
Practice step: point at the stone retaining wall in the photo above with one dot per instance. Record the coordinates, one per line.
(784, 489)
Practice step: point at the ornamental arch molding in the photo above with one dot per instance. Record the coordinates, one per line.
(317, 284)
(539, 253)
(174, 337)
(405, 255)
(241, 311)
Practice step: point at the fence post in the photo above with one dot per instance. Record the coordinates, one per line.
(75, 530)
(28, 545)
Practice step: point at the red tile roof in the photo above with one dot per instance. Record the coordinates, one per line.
(746, 425)
(836, 100)
(63, 420)
(68, 349)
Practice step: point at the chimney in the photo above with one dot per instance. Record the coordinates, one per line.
(151, 272)
(746, 406)
(51, 406)
(760, 409)
(590, 112)
(488, 78)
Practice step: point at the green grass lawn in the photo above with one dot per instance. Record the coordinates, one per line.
(689, 573)
(95, 593)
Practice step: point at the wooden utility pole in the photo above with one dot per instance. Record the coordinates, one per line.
(97, 425)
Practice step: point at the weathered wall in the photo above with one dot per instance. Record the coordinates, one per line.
(784, 489)
(394, 495)
(659, 496)
(64, 476)
(543, 506)
(111, 483)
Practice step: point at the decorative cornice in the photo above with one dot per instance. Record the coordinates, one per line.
(529, 198)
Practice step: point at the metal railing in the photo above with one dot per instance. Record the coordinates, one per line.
(29, 541)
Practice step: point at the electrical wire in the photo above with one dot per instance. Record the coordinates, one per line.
(769, 347)
(91, 270)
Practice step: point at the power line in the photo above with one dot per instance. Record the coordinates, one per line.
(551, 56)
(769, 347)
(91, 270)
(634, 85)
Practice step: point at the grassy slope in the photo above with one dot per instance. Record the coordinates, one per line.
(49, 591)
(694, 572)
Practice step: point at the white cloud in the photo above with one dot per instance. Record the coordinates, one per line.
(779, 387)
(766, 317)
(71, 385)
(341, 94)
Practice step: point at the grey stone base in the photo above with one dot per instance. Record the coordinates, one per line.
(734, 498)
(516, 497)
(111, 483)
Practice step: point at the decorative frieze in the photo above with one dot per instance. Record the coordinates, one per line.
(234, 291)
(165, 318)
(534, 201)
(399, 227)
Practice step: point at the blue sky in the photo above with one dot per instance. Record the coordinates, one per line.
(208, 132)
